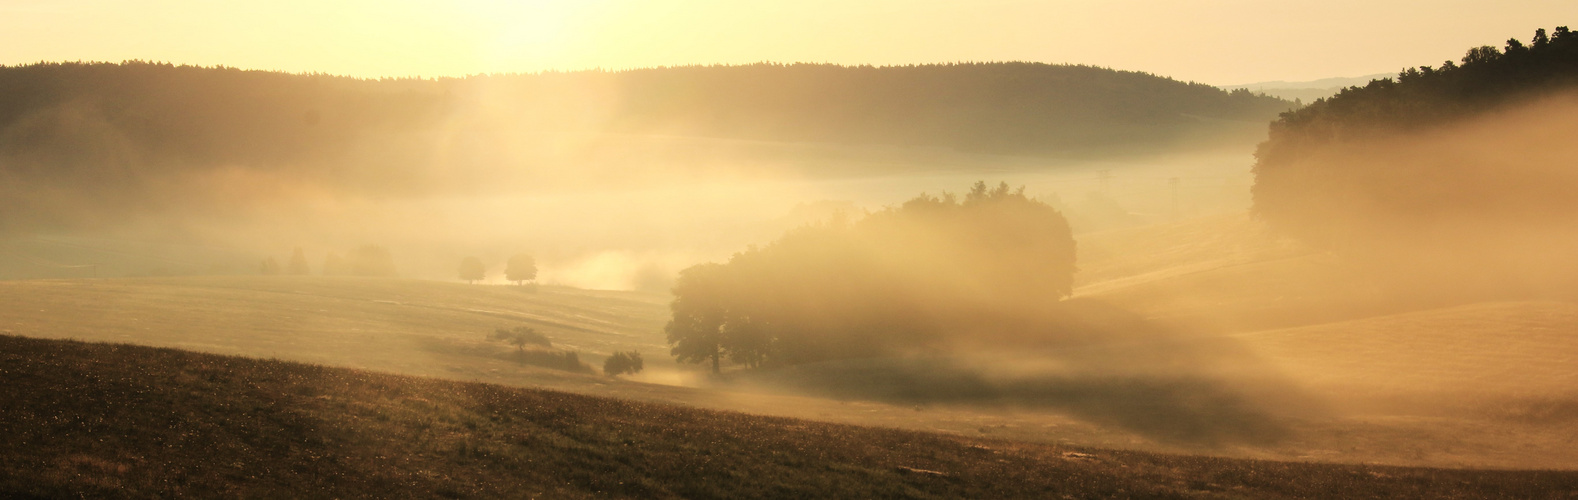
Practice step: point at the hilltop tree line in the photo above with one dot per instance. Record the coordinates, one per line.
(133, 136)
(374, 260)
(1425, 96)
(518, 268)
(892, 282)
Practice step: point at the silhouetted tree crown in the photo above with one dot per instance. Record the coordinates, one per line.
(698, 312)
(1426, 96)
(522, 336)
(521, 267)
(471, 269)
(623, 362)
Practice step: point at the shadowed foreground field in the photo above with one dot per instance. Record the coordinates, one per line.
(80, 419)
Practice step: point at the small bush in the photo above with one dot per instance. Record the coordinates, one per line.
(623, 362)
(520, 336)
(568, 361)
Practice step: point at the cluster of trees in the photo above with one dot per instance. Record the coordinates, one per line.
(297, 266)
(520, 267)
(1425, 96)
(890, 282)
(1012, 107)
(374, 260)
(1332, 173)
(521, 336)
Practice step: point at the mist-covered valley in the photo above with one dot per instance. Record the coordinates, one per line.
(119, 179)
(1121, 268)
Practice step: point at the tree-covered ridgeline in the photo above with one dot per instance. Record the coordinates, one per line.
(887, 284)
(186, 115)
(84, 144)
(1382, 161)
(1486, 77)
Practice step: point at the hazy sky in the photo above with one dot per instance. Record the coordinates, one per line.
(1213, 41)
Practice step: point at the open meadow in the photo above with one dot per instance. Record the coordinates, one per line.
(678, 249)
(1432, 384)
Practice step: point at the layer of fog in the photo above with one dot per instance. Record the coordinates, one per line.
(622, 235)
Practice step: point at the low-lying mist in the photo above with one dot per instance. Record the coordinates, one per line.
(1481, 205)
(612, 236)
(961, 301)
(1087, 359)
(613, 179)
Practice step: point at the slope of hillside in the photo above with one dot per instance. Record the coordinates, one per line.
(1493, 349)
(429, 328)
(1410, 369)
(440, 329)
(114, 420)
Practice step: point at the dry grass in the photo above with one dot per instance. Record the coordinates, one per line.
(115, 420)
(417, 327)
(1482, 385)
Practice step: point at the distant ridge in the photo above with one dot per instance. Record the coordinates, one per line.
(137, 135)
(1307, 91)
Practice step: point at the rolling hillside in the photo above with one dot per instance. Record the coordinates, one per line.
(440, 329)
(1342, 328)
(116, 420)
(405, 326)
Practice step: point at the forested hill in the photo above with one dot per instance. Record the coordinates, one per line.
(995, 107)
(1488, 77)
(1466, 164)
(193, 114)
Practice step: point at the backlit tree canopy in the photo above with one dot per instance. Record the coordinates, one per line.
(887, 283)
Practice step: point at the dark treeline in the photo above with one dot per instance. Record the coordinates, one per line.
(892, 283)
(85, 143)
(181, 116)
(229, 115)
(1425, 96)
(1466, 160)
(985, 107)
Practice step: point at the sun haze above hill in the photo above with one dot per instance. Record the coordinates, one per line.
(1219, 42)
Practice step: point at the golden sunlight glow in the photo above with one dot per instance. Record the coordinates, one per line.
(1219, 41)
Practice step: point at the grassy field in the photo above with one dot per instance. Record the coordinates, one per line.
(1486, 384)
(97, 420)
(1327, 325)
(406, 326)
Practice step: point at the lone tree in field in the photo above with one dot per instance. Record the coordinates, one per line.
(520, 336)
(333, 265)
(269, 267)
(298, 263)
(521, 268)
(623, 362)
(696, 330)
(471, 269)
